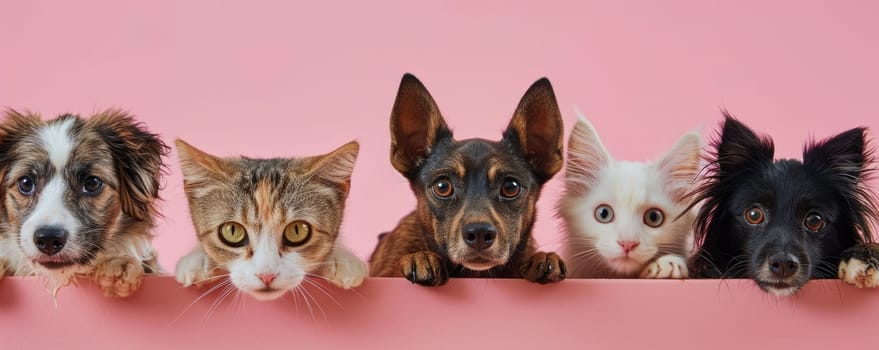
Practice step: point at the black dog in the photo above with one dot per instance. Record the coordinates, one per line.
(783, 222)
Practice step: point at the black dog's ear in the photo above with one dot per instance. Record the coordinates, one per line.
(740, 147)
(137, 154)
(416, 126)
(845, 161)
(841, 155)
(537, 129)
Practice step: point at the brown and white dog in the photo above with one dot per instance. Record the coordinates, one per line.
(78, 199)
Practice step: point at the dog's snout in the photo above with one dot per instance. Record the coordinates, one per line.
(50, 239)
(479, 235)
(783, 265)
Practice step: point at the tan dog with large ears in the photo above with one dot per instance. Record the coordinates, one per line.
(476, 198)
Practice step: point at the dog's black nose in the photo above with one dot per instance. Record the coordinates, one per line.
(479, 235)
(783, 265)
(50, 239)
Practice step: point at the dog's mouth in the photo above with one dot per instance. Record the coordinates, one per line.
(481, 262)
(55, 263)
(779, 288)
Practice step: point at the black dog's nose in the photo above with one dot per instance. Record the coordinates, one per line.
(50, 239)
(783, 265)
(479, 235)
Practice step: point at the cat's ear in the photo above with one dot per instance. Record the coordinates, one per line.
(538, 131)
(841, 157)
(335, 168)
(416, 126)
(740, 147)
(680, 166)
(200, 170)
(586, 157)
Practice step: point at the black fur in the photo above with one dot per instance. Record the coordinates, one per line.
(742, 174)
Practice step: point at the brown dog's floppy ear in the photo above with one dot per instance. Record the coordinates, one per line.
(13, 126)
(137, 154)
(416, 126)
(537, 129)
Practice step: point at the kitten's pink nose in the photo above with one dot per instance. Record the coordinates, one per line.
(628, 246)
(267, 278)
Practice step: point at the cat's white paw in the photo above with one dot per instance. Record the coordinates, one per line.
(859, 273)
(194, 268)
(346, 270)
(666, 266)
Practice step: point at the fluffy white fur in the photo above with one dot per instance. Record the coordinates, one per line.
(594, 178)
(344, 269)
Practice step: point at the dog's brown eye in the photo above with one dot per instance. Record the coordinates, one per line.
(443, 188)
(754, 216)
(604, 213)
(510, 189)
(233, 234)
(297, 233)
(26, 185)
(654, 217)
(92, 185)
(814, 222)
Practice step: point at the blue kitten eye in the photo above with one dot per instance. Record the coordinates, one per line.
(604, 213)
(26, 185)
(654, 217)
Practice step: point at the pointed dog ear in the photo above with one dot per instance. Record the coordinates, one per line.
(740, 147)
(416, 126)
(537, 130)
(137, 154)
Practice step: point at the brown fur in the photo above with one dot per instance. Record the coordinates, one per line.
(128, 159)
(428, 245)
(264, 196)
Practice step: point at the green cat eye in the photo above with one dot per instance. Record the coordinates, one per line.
(233, 234)
(297, 233)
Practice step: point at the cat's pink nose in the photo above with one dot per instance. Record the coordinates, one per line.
(628, 246)
(267, 278)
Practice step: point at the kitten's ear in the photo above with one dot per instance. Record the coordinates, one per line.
(586, 157)
(538, 131)
(137, 154)
(199, 168)
(335, 168)
(842, 156)
(740, 147)
(416, 126)
(680, 166)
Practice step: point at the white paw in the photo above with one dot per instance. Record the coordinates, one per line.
(346, 270)
(859, 273)
(194, 268)
(666, 266)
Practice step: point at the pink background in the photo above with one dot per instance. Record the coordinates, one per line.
(281, 79)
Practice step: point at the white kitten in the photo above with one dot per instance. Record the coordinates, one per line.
(621, 216)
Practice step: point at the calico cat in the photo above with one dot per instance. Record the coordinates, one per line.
(268, 224)
(627, 219)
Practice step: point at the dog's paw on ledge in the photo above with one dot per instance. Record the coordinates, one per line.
(119, 276)
(544, 268)
(860, 266)
(424, 268)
